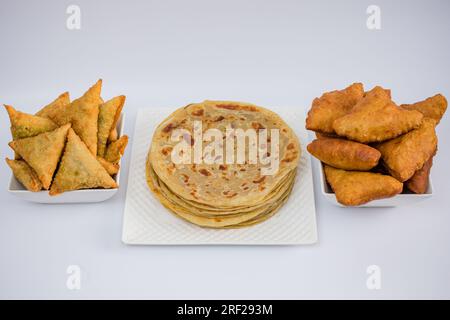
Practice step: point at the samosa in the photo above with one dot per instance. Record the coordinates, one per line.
(24, 125)
(112, 168)
(83, 114)
(42, 152)
(55, 107)
(25, 174)
(79, 169)
(115, 149)
(107, 121)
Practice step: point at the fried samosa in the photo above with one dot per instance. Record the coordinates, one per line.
(83, 114)
(25, 175)
(112, 168)
(79, 169)
(42, 152)
(115, 149)
(55, 107)
(107, 121)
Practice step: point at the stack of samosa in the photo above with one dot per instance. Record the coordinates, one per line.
(369, 146)
(68, 145)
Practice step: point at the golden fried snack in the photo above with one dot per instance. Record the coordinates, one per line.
(374, 99)
(113, 136)
(25, 174)
(42, 152)
(79, 169)
(433, 107)
(83, 114)
(344, 154)
(331, 106)
(112, 168)
(354, 188)
(420, 180)
(115, 149)
(376, 119)
(107, 120)
(24, 125)
(55, 107)
(325, 135)
(406, 154)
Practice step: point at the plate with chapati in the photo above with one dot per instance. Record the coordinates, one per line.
(219, 172)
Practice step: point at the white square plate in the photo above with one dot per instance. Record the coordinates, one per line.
(147, 222)
(401, 199)
(77, 196)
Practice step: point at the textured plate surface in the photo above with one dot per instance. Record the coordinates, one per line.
(147, 222)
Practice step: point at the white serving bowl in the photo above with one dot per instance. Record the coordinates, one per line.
(77, 196)
(402, 199)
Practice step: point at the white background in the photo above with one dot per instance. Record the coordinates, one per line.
(170, 53)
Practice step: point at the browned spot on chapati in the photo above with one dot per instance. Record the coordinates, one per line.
(198, 112)
(261, 179)
(166, 150)
(257, 126)
(236, 107)
(204, 172)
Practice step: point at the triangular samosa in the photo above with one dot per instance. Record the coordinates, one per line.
(79, 169)
(115, 149)
(24, 125)
(112, 168)
(42, 152)
(107, 121)
(83, 114)
(55, 107)
(25, 174)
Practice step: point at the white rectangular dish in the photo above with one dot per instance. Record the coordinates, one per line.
(402, 199)
(77, 196)
(147, 222)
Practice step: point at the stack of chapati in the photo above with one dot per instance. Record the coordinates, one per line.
(222, 195)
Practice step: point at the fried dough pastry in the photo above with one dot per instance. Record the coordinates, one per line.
(114, 135)
(344, 154)
(406, 154)
(112, 168)
(83, 114)
(354, 188)
(115, 149)
(79, 169)
(420, 180)
(24, 125)
(25, 174)
(55, 107)
(331, 106)
(42, 152)
(107, 121)
(376, 119)
(325, 135)
(433, 107)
